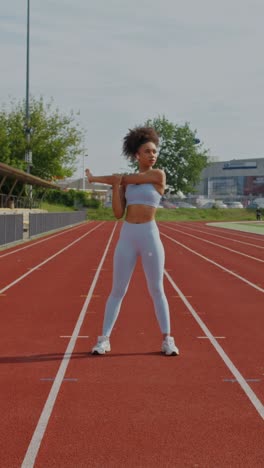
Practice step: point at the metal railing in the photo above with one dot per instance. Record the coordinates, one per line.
(44, 222)
(11, 228)
(14, 201)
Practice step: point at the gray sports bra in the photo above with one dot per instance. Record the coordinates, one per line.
(142, 194)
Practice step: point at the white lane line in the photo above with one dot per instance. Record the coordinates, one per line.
(238, 376)
(48, 237)
(51, 379)
(248, 380)
(48, 259)
(217, 245)
(209, 233)
(206, 337)
(69, 336)
(40, 430)
(241, 278)
(236, 233)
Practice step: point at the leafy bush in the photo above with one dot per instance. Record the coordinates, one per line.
(75, 198)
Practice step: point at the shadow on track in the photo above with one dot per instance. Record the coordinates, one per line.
(59, 356)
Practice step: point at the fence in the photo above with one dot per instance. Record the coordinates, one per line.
(11, 228)
(14, 201)
(44, 222)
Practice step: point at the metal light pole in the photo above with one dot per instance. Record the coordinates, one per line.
(28, 155)
(84, 156)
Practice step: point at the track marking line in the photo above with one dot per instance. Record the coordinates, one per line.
(217, 245)
(51, 379)
(236, 233)
(94, 295)
(209, 233)
(241, 278)
(69, 336)
(48, 259)
(247, 380)
(206, 337)
(33, 448)
(238, 376)
(33, 268)
(180, 296)
(48, 237)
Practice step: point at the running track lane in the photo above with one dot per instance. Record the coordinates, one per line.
(135, 407)
(35, 313)
(239, 259)
(239, 235)
(19, 260)
(233, 239)
(231, 299)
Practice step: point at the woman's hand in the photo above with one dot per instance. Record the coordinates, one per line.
(89, 175)
(114, 179)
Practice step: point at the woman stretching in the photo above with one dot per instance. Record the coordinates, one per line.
(139, 194)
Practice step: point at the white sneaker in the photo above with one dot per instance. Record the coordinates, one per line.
(102, 346)
(169, 348)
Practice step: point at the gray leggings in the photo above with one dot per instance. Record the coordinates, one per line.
(138, 240)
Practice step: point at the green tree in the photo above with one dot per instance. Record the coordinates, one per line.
(179, 155)
(56, 139)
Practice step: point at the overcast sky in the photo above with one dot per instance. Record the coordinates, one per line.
(121, 62)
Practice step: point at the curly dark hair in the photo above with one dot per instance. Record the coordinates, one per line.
(136, 137)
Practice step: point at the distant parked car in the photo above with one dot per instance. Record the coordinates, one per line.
(167, 204)
(217, 204)
(185, 205)
(220, 204)
(234, 204)
(259, 202)
(254, 205)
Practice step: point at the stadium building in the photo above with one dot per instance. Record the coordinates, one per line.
(238, 179)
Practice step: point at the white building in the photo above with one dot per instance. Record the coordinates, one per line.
(235, 179)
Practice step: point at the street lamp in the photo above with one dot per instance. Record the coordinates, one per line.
(28, 155)
(84, 156)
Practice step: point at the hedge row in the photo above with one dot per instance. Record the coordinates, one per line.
(73, 198)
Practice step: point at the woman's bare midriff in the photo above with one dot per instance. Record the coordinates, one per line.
(138, 214)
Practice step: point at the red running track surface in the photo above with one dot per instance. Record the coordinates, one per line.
(133, 407)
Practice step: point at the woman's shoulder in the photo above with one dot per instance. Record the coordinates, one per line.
(161, 172)
(157, 169)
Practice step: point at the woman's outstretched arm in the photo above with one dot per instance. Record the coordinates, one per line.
(155, 176)
(118, 192)
(107, 179)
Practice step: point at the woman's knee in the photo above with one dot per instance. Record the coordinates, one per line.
(156, 289)
(119, 291)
